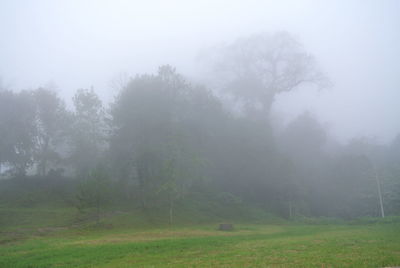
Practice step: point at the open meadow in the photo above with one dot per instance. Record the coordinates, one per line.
(248, 245)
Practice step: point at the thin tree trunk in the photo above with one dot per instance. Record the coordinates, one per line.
(98, 211)
(44, 157)
(44, 163)
(379, 191)
(143, 199)
(171, 207)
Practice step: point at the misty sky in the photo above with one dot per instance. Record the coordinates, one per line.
(80, 43)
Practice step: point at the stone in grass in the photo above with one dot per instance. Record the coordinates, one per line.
(226, 227)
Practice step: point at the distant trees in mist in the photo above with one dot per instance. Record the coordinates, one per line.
(163, 140)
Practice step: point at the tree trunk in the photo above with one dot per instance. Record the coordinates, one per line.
(379, 191)
(171, 207)
(290, 210)
(43, 164)
(98, 211)
(143, 199)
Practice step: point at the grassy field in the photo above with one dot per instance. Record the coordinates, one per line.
(261, 245)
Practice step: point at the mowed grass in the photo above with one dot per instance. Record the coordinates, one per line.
(376, 245)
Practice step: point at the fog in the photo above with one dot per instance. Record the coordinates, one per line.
(140, 133)
(80, 44)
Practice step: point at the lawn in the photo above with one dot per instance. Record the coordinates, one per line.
(286, 245)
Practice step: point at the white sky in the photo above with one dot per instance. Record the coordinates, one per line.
(82, 43)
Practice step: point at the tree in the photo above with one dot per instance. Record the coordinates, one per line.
(52, 120)
(17, 130)
(180, 169)
(88, 132)
(172, 185)
(349, 190)
(374, 154)
(258, 68)
(303, 139)
(302, 143)
(94, 192)
(142, 118)
(391, 176)
(152, 120)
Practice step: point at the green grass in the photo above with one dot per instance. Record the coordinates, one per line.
(374, 245)
(29, 218)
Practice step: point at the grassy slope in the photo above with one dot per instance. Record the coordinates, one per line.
(375, 245)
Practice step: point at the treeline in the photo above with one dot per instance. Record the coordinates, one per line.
(163, 140)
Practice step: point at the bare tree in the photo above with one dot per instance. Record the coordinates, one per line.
(257, 68)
